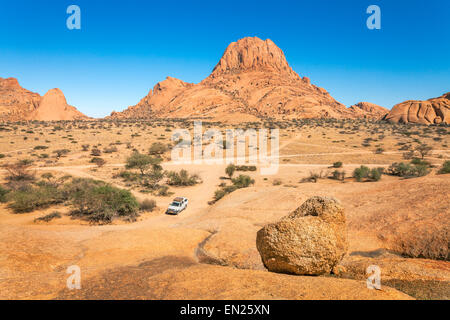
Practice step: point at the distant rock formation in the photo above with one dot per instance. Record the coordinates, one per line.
(368, 110)
(252, 80)
(312, 240)
(432, 111)
(54, 106)
(19, 104)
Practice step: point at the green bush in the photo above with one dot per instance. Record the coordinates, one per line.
(243, 181)
(163, 191)
(34, 197)
(142, 162)
(417, 161)
(100, 162)
(219, 194)
(157, 148)
(375, 174)
(129, 176)
(49, 217)
(245, 168)
(338, 175)
(361, 173)
(102, 202)
(445, 168)
(408, 170)
(337, 164)
(182, 178)
(3, 194)
(230, 169)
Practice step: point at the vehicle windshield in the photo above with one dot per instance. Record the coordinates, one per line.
(175, 204)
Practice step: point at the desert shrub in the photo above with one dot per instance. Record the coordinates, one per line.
(157, 148)
(245, 168)
(40, 148)
(110, 149)
(182, 178)
(379, 150)
(407, 170)
(143, 162)
(243, 181)
(277, 182)
(230, 169)
(3, 194)
(375, 174)
(420, 162)
(361, 173)
(424, 150)
(338, 175)
(49, 217)
(163, 191)
(2, 156)
(19, 171)
(34, 197)
(100, 162)
(231, 188)
(313, 177)
(85, 147)
(337, 164)
(128, 176)
(147, 205)
(61, 152)
(219, 194)
(445, 168)
(101, 202)
(96, 152)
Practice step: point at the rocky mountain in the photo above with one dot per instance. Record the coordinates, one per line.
(19, 104)
(432, 111)
(368, 110)
(251, 80)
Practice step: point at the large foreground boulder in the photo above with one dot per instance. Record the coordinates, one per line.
(310, 241)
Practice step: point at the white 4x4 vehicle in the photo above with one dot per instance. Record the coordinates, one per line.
(178, 204)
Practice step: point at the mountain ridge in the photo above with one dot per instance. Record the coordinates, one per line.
(251, 80)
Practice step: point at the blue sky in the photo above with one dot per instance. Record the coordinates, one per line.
(125, 47)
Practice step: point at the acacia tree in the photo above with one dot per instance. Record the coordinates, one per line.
(20, 170)
(143, 163)
(424, 150)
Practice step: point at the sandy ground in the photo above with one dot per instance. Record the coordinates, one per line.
(208, 251)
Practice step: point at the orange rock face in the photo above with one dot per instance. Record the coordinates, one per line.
(19, 104)
(432, 111)
(251, 80)
(368, 110)
(16, 103)
(54, 106)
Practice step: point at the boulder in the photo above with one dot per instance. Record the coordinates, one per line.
(432, 111)
(312, 240)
